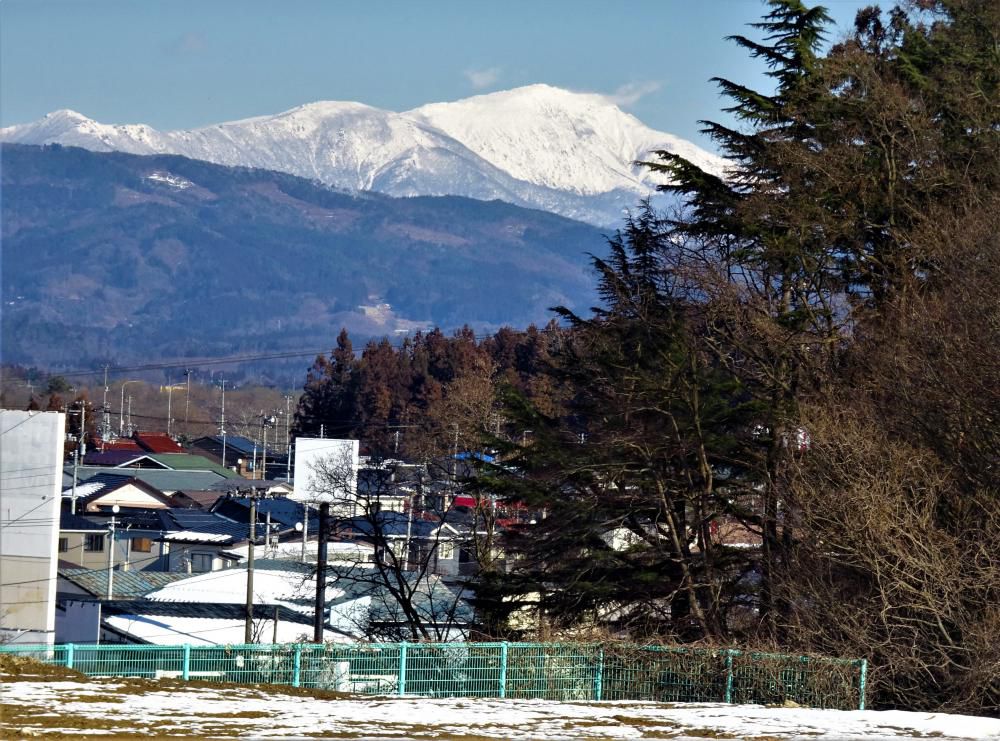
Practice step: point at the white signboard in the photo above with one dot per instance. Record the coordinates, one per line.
(325, 470)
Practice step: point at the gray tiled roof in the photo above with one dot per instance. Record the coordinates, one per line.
(127, 584)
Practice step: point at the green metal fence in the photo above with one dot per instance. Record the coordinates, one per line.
(557, 671)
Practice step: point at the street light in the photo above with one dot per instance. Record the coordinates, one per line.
(265, 422)
(121, 408)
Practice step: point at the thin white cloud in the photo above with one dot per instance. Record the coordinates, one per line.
(480, 78)
(631, 92)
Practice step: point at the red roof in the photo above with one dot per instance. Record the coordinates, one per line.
(120, 444)
(157, 442)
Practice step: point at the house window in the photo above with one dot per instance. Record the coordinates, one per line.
(93, 543)
(142, 545)
(63, 545)
(201, 561)
(446, 550)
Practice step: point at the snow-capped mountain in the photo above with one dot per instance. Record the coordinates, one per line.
(536, 146)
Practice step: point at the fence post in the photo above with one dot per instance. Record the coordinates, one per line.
(186, 670)
(297, 666)
(863, 684)
(729, 675)
(503, 669)
(69, 655)
(599, 675)
(402, 668)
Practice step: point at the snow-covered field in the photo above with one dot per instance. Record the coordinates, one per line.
(143, 708)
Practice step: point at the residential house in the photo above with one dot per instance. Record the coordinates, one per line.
(84, 615)
(242, 454)
(416, 540)
(358, 605)
(105, 490)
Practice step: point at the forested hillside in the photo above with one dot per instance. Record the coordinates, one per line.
(120, 258)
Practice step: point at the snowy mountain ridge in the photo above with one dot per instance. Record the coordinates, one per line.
(536, 146)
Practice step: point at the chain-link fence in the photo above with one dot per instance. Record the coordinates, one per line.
(555, 671)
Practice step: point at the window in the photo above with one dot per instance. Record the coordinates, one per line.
(63, 545)
(93, 543)
(446, 550)
(201, 561)
(142, 545)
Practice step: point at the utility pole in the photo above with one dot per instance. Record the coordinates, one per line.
(76, 465)
(121, 409)
(106, 412)
(129, 427)
(288, 441)
(111, 553)
(187, 400)
(170, 396)
(265, 422)
(248, 627)
(222, 423)
(320, 614)
(81, 445)
(83, 427)
(305, 528)
(288, 434)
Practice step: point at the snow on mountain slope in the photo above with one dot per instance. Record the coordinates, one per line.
(579, 142)
(536, 146)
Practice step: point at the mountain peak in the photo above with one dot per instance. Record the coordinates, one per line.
(66, 114)
(538, 145)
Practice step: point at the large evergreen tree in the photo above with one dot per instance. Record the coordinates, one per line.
(627, 470)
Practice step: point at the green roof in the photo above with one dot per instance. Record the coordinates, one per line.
(188, 462)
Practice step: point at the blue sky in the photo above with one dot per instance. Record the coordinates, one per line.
(185, 63)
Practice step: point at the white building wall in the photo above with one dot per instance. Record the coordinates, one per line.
(31, 463)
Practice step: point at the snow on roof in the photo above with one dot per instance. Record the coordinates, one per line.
(169, 630)
(193, 536)
(270, 586)
(292, 549)
(84, 490)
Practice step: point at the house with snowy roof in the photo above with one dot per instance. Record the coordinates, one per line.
(358, 602)
(85, 615)
(168, 539)
(103, 491)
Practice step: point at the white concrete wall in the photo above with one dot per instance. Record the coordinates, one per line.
(31, 469)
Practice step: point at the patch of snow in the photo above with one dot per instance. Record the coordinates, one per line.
(174, 181)
(199, 711)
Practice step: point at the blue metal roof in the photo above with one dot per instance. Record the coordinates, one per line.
(210, 522)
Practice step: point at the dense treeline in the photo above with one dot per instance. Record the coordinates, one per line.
(781, 426)
(427, 394)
